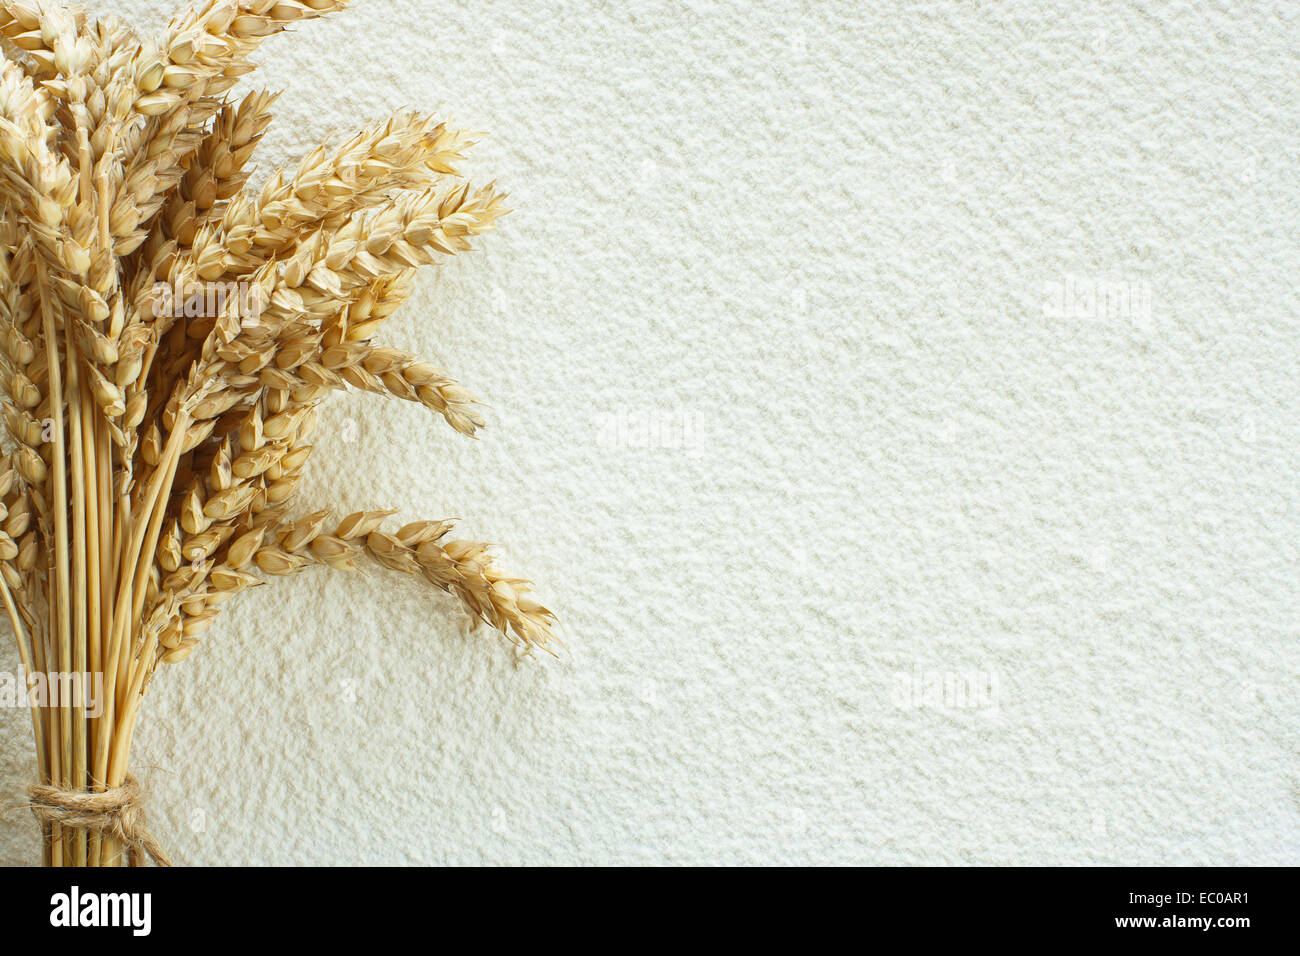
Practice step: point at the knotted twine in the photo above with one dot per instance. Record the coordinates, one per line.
(115, 811)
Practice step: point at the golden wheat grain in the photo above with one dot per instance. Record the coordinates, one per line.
(156, 453)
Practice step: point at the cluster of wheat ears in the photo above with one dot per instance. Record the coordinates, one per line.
(155, 441)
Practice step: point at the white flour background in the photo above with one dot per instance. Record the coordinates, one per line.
(777, 415)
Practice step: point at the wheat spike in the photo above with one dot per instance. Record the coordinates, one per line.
(157, 438)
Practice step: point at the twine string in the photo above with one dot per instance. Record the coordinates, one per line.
(116, 811)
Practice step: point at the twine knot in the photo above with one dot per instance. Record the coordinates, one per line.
(115, 811)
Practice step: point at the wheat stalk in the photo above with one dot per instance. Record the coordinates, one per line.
(153, 450)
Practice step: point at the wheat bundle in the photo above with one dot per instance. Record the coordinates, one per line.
(166, 336)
